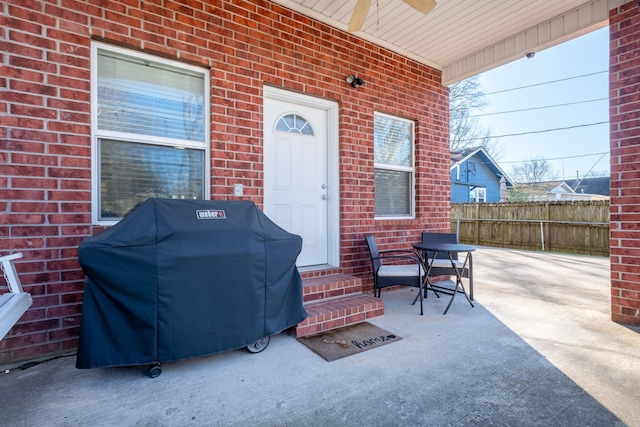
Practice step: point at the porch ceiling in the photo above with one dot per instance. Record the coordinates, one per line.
(465, 37)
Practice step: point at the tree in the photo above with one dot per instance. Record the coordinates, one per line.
(536, 169)
(465, 98)
(518, 193)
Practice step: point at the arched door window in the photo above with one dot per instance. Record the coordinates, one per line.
(295, 124)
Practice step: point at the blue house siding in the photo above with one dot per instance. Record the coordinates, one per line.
(476, 170)
(459, 192)
(493, 192)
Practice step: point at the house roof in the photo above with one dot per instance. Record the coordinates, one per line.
(597, 186)
(546, 187)
(460, 156)
(463, 37)
(593, 185)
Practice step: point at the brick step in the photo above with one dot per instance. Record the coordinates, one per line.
(339, 312)
(329, 287)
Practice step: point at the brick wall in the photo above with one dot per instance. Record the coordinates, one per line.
(45, 144)
(624, 99)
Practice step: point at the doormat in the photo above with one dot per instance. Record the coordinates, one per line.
(347, 341)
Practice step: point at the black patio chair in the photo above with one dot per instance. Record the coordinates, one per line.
(396, 268)
(442, 264)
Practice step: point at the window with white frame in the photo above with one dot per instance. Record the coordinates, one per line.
(393, 166)
(150, 130)
(478, 195)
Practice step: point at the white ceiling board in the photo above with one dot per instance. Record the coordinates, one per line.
(465, 37)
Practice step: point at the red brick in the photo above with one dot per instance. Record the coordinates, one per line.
(46, 277)
(35, 351)
(624, 78)
(247, 44)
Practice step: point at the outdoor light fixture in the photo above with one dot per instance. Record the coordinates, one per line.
(354, 81)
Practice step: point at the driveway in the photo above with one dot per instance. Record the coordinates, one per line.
(538, 349)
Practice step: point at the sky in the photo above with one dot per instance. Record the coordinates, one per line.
(582, 66)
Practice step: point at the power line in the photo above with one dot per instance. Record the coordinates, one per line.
(546, 83)
(561, 158)
(501, 162)
(533, 132)
(540, 108)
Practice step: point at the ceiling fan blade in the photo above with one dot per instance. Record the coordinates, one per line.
(423, 6)
(360, 12)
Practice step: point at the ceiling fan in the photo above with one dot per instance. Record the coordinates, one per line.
(361, 10)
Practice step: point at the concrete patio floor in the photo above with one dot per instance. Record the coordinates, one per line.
(538, 349)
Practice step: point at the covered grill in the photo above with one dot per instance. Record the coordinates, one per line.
(177, 279)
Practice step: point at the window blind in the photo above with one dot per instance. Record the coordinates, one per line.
(147, 98)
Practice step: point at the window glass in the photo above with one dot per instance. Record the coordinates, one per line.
(394, 166)
(141, 97)
(393, 140)
(478, 195)
(132, 173)
(294, 123)
(392, 192)
(151, 134)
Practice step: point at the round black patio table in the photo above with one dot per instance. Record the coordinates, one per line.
(450, 249)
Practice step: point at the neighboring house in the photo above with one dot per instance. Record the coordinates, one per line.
(476, 177)
(600, 185)
(556, 190)
(334, 134)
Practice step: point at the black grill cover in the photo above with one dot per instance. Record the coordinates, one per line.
(177, 279)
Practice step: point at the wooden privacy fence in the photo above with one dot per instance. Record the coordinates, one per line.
(577, 227)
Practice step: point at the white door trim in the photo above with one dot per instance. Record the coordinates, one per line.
(333, 190)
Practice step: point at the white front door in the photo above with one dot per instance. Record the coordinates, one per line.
(297, 183)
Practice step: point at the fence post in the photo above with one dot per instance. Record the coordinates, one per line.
(477, 221)
(555, 231)
(547, 217)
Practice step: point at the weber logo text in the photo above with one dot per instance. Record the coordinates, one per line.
(210, 214)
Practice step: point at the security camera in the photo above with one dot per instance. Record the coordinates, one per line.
(530, 55)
